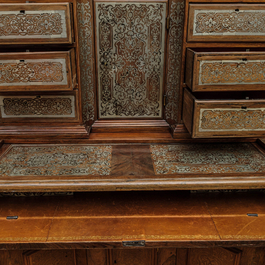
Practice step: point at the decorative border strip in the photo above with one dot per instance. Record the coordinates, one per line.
(175, 42)
(86, 42)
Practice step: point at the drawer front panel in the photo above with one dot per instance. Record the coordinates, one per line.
(37, 107)
(33, 72)
(230, 120)
(37, 71)
(223, 117)
(229, 23)
(225, 71)
(34, 23)
(234, 72)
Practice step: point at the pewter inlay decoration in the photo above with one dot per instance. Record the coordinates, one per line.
(207, 158)
(130, 43)
(175, 42)
(41, 107)
(229, 22)
(33, 72)
(87, 70)
(232, 72)
(56, 160)
(43, 24)
(236, 119)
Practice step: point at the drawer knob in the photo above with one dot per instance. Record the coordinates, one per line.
(243, 107)
(237, 10)
(22, 11)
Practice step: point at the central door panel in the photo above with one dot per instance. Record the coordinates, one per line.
(130, 58)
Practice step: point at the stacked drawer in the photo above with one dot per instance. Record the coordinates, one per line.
(220, 100)
(37, 85)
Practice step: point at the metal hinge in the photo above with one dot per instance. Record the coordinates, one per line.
(138, 243)
(165, 100)
(168, 22)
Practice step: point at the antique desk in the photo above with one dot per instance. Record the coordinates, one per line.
(132, 132)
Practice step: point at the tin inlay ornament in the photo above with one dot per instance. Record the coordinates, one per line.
(232, 119)
(33, 72)
(41, 24)
(229, 22)
(56, 160)
(130, 59)
(232, 72)
(175, 41)
(44, 106)
(207, 158)
(85, 32)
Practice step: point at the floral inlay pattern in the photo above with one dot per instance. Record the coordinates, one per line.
(232, 119)
(56, 160)
(225, 22)
(207, 158)
(130, 42)
(22, 24)
(232, 72)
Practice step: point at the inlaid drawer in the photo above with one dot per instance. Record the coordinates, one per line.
(15, 108)
(225, 71)
(41, 71)
(226, 22)
(206, 118)
(35, 23)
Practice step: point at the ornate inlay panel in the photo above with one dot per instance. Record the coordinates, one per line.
(86, 44)
(130, 58)
(207, 158)
(33, 72)
(44, 106)
(33, 24)
(229, 22)
(56, 160)
(175, 41)
(232, 72)
(250, 119)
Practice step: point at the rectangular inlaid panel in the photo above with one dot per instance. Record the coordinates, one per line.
(219, 118)
(225, 71)
(130, 58)
(207, 158)
(226, 23)
(236, 119)
(37, 71)
(232, 72)
(33, 72)
(56, 160)
(37, 107)
(33, 23)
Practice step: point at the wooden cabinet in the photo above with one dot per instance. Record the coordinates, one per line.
(96, 98)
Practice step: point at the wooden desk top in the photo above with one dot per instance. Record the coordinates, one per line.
(111, 219)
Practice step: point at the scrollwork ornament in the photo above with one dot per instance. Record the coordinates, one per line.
(85, 32)
(174, 59)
